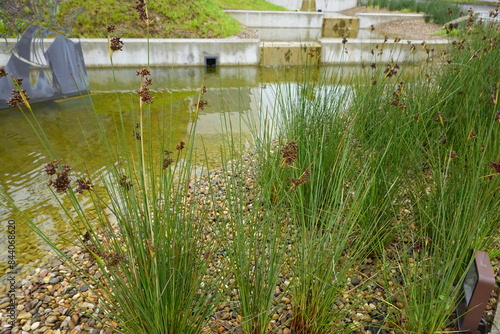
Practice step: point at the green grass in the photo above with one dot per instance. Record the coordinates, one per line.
(168, 19)
(392, 167)
(248, 5)
(447, 33)
(492, 3)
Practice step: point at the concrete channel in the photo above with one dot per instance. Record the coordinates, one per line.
(285, 38)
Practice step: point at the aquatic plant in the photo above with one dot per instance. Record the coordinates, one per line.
(397, 167)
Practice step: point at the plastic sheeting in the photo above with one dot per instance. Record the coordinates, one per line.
(51, 67)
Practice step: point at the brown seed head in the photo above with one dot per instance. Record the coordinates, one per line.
(496, 166)
(83, 185)
(289, 152)
(180, 146)
(115, 44)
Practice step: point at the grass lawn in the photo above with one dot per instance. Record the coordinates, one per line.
(168, 19)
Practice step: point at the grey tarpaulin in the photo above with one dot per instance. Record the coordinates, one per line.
(51, 68)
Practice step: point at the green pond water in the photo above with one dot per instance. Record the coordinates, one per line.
(231, 93)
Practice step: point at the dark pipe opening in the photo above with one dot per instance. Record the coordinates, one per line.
(211, 61)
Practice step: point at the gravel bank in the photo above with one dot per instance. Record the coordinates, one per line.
(51, 300)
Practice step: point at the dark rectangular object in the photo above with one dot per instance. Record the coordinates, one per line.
(477, 287)
(211, 61)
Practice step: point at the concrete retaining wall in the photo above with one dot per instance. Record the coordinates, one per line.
(271, 19)
(281, 26)
(290, 54)
(288, 4)
(164, 52)
(360, 51)
(324, 5)
(182, 53)
(366, 20)
(173, 52)
(340, 26)
(288, 34)
(335, 5)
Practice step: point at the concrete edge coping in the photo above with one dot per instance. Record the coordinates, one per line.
(151, 40)
(290, 44)
(339, 16)
(174, 40)
(381, 41)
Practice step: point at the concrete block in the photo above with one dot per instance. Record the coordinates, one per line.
(290, 54)
(337, 27)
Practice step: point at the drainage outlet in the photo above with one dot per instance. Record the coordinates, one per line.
(211, 61)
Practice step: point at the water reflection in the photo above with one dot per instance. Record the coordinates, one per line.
(71, 129)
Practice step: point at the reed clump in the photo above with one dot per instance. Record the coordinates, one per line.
(366, 198)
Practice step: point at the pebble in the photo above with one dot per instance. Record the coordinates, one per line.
(355, 281)
(51, 319)
(24, 315)
(45, 303)
(43, 273)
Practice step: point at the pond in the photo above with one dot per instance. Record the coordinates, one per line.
(231, 93)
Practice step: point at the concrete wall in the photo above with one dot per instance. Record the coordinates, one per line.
(281, 26)
(288, 34)
(164, 52)
(324, 5)
(340, 26)
(290, 54)
(173, 52)
(270, 19)
(5, 47)
(182, 53)
(360, 51)
(366, 20)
